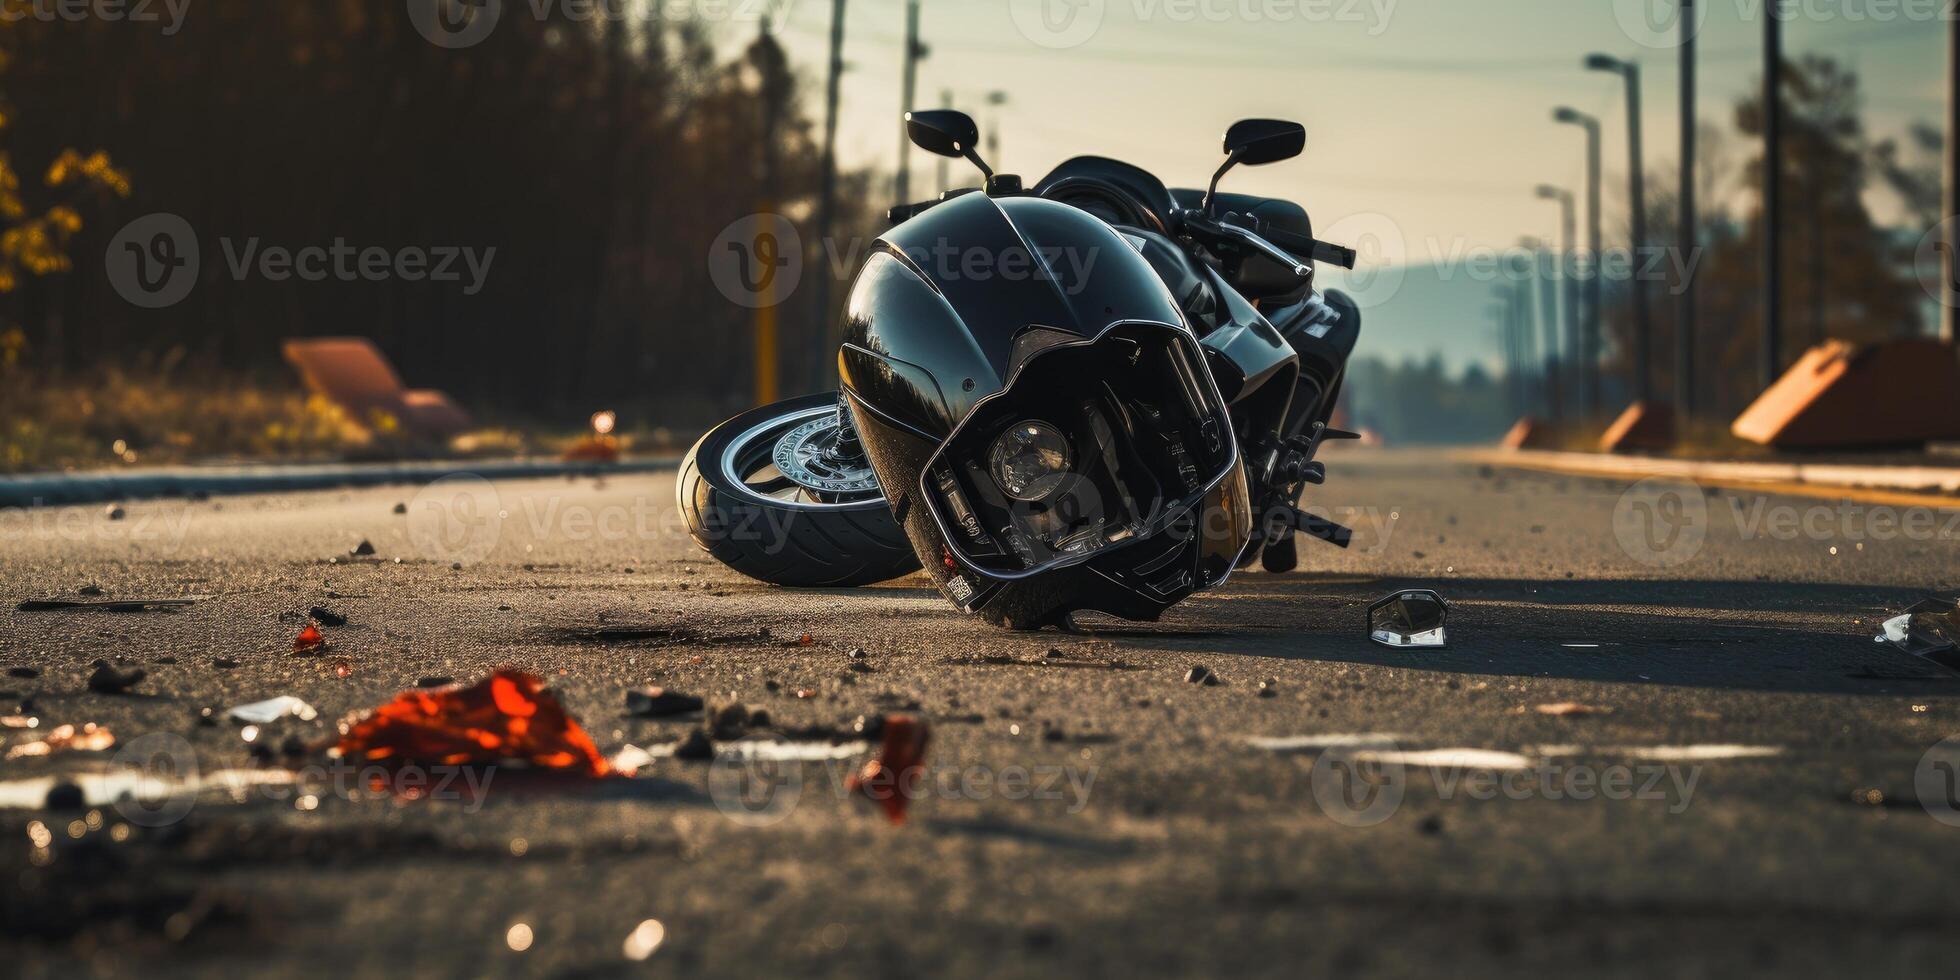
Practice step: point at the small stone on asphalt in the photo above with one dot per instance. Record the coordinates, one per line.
(108, 679)
(65, 796)
(659, 702)
(696, 747)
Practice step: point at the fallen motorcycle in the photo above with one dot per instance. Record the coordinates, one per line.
(1094, 393)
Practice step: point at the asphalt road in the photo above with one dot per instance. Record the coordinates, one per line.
(1743, 799)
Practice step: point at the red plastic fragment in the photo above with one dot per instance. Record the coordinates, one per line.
(506, 718)
(309, 639)
(895, 775)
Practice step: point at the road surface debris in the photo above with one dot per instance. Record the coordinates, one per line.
(309, 640)
(901, 758)
(507, 718)
(90, 737)
(110, 679)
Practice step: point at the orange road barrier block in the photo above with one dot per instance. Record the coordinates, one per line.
(1643, 426)
(1844, 396)
(507, 718)
(1529, 433)
(353, 373)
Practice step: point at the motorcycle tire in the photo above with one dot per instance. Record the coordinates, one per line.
(851, 540)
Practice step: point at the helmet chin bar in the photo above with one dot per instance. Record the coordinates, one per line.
(1143, 434)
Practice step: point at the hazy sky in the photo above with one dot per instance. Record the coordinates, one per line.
(1431, 116)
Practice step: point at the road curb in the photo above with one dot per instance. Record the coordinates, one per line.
(55, 489)
(1918, 484)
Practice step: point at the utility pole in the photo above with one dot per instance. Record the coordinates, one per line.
(1772, 355)
(1950, 310)
(766, 357)
(1589, 341)
(827, 200)
(913, 52)
(1568, 230)
(1637, 202)
(945, 180)
(995, 100)
(1687, 236)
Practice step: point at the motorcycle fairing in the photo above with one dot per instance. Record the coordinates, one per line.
(997, 267)
(932, 330)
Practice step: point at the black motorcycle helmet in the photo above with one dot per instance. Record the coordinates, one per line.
(1040, 415)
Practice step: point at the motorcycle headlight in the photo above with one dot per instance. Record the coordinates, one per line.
(1029, 460)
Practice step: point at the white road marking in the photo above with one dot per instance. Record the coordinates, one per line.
(1314, 743)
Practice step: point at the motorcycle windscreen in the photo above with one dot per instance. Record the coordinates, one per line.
(1092, 446)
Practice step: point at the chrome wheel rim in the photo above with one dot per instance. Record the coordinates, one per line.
(803, 460)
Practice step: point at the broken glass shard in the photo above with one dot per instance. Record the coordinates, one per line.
(1929, 629)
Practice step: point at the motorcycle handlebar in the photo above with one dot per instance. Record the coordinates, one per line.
(1326, 252)
(1302, 245)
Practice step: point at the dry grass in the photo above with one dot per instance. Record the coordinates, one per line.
(119, 420)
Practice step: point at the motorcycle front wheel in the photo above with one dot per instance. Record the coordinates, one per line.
(784, 494)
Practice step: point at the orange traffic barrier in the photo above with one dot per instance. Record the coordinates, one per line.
(1845, 396)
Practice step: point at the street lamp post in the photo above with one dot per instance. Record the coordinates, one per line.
(1588, 350)
(1541, 251)
(1568, 230)
(1503, 311)
(1637, 202)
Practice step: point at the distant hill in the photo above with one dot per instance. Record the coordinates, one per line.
(1413, 312)
(1429, 368)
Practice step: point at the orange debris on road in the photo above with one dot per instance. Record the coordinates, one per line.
(506, 718)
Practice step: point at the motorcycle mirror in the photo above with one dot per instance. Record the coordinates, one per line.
(1409, 619)
(1256, 142)
(1929, 629)
(1261, 141)
(947, 133)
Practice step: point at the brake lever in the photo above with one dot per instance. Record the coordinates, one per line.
(1272, 251)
